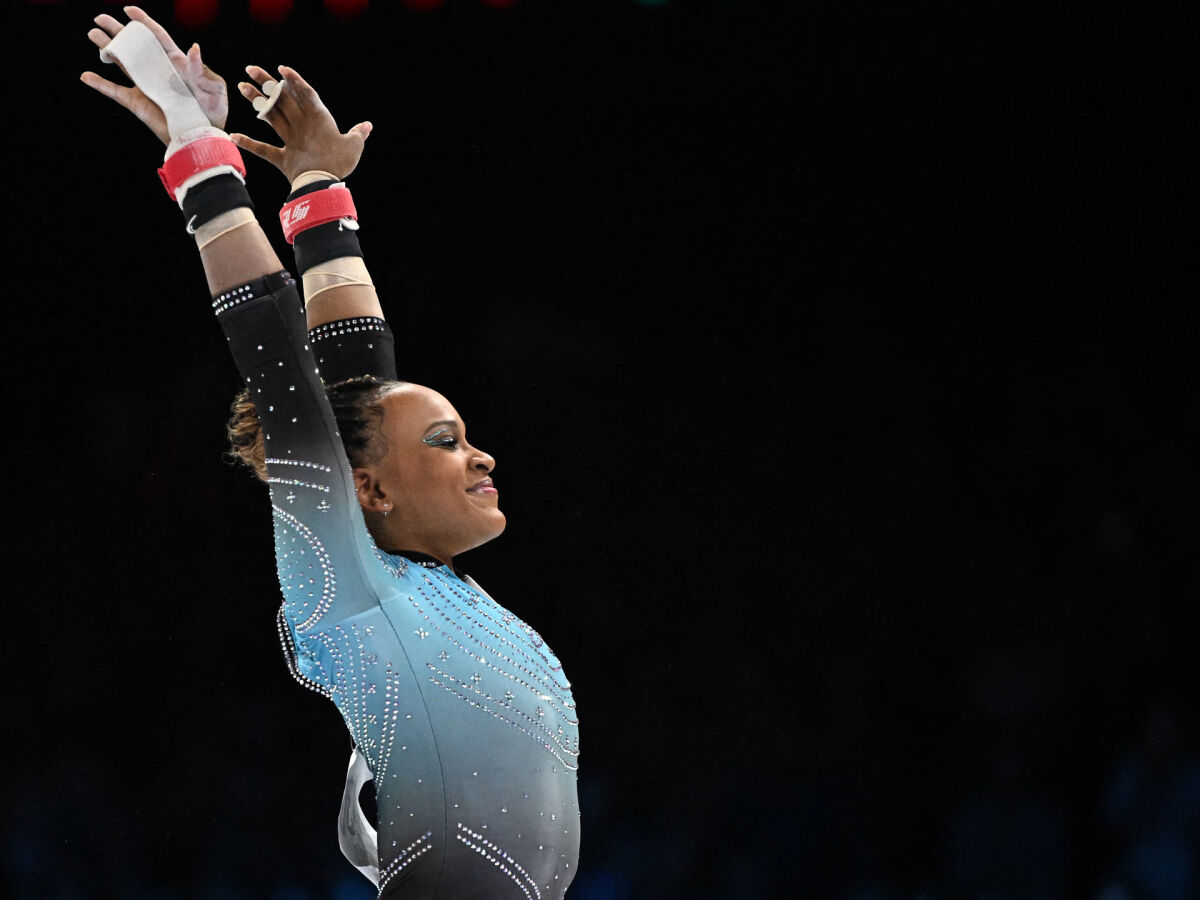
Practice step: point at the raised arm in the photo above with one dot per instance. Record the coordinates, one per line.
(233, 248)
(321, 539)
(346, 325)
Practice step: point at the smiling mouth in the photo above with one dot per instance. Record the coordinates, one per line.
(484, 487)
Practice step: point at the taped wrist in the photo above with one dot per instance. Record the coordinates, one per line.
(197, 156)
(209, 199)
(324, 242)
(221, 225)
(335, 273)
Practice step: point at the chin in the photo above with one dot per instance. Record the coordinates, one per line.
(498, 526)
(495, 528)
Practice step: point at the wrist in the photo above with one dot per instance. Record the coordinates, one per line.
(310, 176)
(321, 243)
(196, 155)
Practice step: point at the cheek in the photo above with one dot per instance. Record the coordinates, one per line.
(429, 485)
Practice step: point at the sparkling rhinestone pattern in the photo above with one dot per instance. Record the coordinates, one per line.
(459, 709)
(271, 461)
(412, 852)
(487, 634)
(295, 482)
(501, 860)
(485, 702)
(290, 658)
(244, 293)
(301, 559)
(345, 326)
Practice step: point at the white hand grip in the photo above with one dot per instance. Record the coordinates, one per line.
(145, 61)
(272, 91)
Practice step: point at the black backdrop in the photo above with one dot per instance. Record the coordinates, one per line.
(840, 372)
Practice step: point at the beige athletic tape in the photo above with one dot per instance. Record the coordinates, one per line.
(312, 175)
(223, 224)
(336, 273)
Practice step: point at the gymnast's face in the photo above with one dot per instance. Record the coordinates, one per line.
(435, 487)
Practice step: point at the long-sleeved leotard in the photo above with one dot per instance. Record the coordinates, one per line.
(461, 711)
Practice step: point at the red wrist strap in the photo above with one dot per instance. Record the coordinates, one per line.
(193, 158)
(317, 208)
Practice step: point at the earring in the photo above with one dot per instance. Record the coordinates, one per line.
(387, 508)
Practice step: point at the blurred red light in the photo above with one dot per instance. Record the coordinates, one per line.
(196, 13)
(346, 9)
(271, 11)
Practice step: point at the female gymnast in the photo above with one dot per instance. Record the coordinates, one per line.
(456, 708)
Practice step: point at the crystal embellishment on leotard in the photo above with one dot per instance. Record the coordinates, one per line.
(413, 851)
(302, 463)
(295, 482)
(292, 572)
(290, 657)
(252, 290)
(537, 732)
(397, 566)
(500, 859)
(352, 325)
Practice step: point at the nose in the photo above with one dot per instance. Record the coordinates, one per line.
(483, 462)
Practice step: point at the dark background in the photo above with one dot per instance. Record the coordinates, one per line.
(840, 368)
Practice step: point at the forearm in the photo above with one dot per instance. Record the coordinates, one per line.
(347, 332)
(234, 251)
(330, 263)
(346, 325)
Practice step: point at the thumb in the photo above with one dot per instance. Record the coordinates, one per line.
(362, 130)
(272, 154)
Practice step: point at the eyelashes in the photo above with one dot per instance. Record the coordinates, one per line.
(435, 439)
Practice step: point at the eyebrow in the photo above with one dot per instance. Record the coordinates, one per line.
(448, 422)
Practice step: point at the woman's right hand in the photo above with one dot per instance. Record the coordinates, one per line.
(205, 85)
(311, 139)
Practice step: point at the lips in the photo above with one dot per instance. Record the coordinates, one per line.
(483, 487)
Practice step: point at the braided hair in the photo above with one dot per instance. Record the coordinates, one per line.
(356, 409)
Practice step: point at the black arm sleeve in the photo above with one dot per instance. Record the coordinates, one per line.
(351, 348)
(347, 348)
(327, 564)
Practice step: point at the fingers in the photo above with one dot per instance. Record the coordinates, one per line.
(100, 38)
(201, 77)
(259, 74)
(284, 111)
(195, 65)
(139, 15)
(305, 95)
(275, 117)
(106, 87)
(272, 154)
(111, 28)
(288, 103)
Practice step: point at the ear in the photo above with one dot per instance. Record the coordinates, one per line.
(370, 496)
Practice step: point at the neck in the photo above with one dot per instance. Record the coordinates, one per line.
(398, 541)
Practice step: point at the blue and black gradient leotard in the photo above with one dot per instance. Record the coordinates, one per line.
(460, 709)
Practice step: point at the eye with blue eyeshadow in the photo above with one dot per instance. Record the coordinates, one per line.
(436, 439)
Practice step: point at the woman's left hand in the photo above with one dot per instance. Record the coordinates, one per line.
(311, 139)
